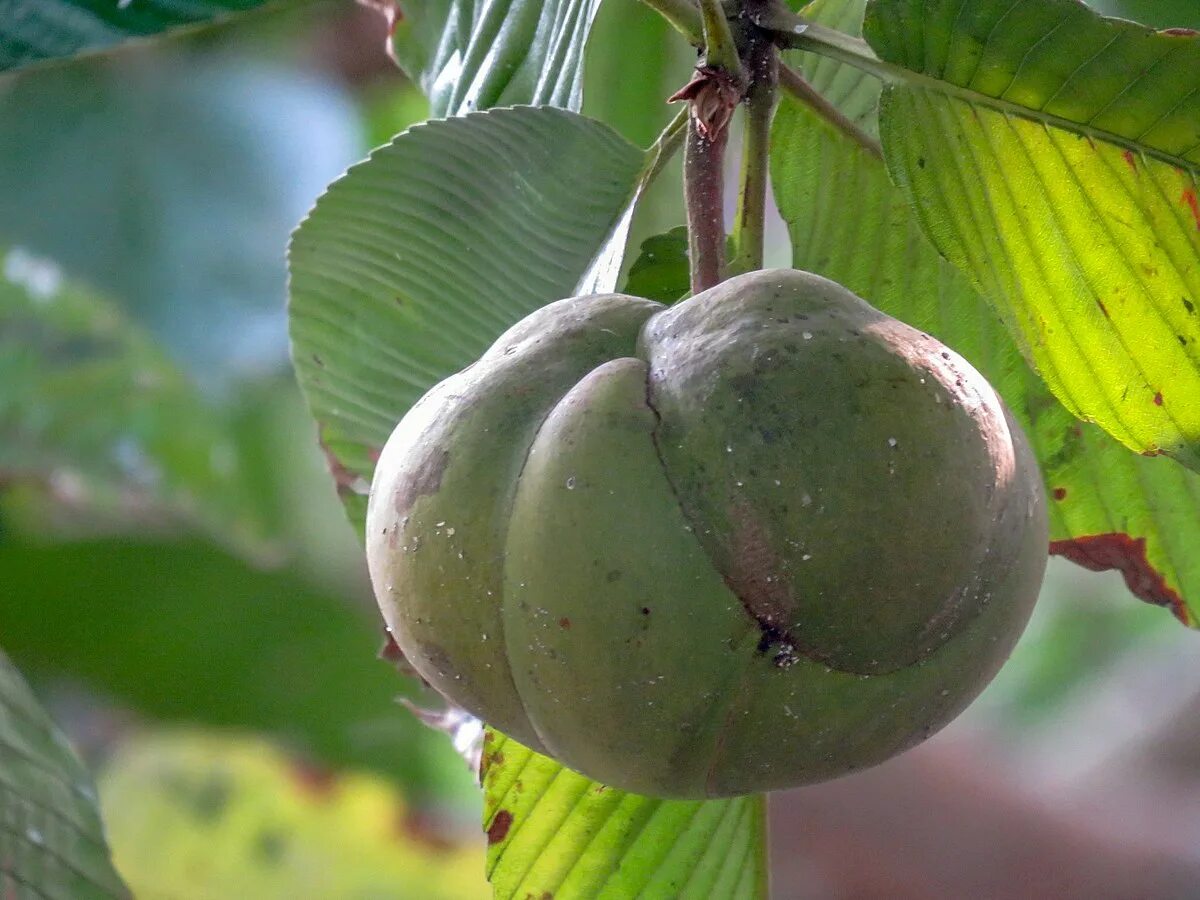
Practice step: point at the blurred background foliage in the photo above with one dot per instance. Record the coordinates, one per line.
(172, 552)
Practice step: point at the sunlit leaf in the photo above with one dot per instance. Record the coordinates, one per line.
(51, 840)
(552, 832)
(1053, 156)
(1109, 508)
(195, 816)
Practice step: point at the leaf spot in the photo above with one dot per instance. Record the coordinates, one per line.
(498, 830)
(1189, 199)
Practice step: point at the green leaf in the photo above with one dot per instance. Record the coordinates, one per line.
(95, 416)
(417, 260)
(51, 840)
(1053, 156)
(36, 30)
(471, 55)
(552, 832)
(853, 91)
(186, 633)
(1109, 508)
(195, 815)
(634, 61)
(660, 271)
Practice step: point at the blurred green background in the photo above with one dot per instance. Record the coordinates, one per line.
(173, 554)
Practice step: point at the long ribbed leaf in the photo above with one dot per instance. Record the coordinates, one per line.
(1053, 156)
(553, 833)
(1110, 509)
(35, 30)
(414, 262)
(51, 840)
(471, 55)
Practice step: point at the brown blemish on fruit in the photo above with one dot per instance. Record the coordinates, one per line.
(1114, 551)
(498, 830)
(421, 481)
(752, 562)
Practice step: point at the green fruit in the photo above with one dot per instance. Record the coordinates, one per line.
(761, 538)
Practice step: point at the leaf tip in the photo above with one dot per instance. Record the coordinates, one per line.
(1114, 551)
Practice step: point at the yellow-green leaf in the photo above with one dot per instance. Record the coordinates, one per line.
(1109, 508)
(1053, 155)
(193, 816)
(553, 833)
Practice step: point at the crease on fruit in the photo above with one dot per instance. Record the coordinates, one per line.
(767, 601)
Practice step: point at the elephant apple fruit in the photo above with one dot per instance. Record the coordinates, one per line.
(760, 538)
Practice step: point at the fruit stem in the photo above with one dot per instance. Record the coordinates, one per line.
(749, 225)
(703, 194)
(716, 88)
